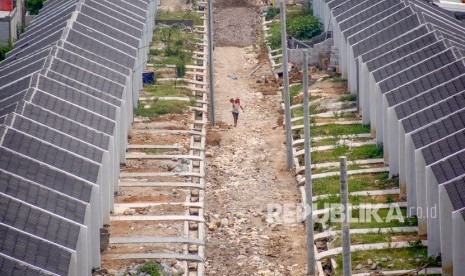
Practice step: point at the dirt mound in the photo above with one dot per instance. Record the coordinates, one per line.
(236, 3)
(234, 24)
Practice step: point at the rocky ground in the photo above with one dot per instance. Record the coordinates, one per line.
(236, 22)
(246, 170)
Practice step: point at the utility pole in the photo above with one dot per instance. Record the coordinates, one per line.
(210, 62)
(308, 175)
(287, 101)
(346, 259)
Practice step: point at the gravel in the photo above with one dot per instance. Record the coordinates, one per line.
(235, 23)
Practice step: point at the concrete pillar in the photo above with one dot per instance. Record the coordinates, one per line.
(432, 202)
(346, 256)
(384, 110)
(458, 237)
(445, 219)
(417, 178)
(408, 177)
(378, 117)
(391, 141)
(364, 93)
(352, 73)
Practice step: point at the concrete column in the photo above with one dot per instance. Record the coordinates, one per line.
(458, 237)
(432, 202)
(378, 117)
(391, 140)
(445, 219)
(346, 257)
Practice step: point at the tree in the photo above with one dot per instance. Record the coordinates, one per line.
(33, 6)
(303, 27)
(5, 49)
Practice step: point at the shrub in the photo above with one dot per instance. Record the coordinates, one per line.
(271, 13)
(33, 6)
(303, 27)
(5, 49)
(180, 70)
(151, 268)
(300, 27)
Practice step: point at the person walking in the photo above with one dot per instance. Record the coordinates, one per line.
(236, 104)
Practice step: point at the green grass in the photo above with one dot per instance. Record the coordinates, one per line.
(336, 115)
(335, 130)
(325, 142)
(314, 109)
(355, 153)
(334, 169)
(382, 213)
(158, 108)
(295, 90)
(348, 98)
(167, 89)
(370, 238)
(336, 79)
(300, 23)
(401, 258)
(361, 182)
(163, 15)
(151, 268)
(353, 199)
(156, 151)
(173, 46)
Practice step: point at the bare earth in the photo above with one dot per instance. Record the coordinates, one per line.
(247, 172)
(235, 23)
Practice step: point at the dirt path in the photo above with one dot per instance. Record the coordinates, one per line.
(246, 172)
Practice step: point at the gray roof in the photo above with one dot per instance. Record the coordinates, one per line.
(385, 31)
(44, 174)
(430, 97)
(426, 82)
(94, 57)
(364, 11)
(13, 267)
(42, 196)
(34, 251)
(37, 222)
(64, 124)
(106, 39)
(94, 24)
(130, 6)
(450, 168)
(71, 111)
(344, 6)
(416, 44)
(444, 147)
(456, 191)
(396, 42)
(414, 67)
(99, 48)
(50, 154)
(367, 22)
(54, 137)
(445, 122)
(122, 7)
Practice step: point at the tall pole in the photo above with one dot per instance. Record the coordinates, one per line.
(287, 101)
(210, 62)
(308, 175)
(346, 259)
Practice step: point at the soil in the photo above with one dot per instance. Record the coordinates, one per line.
(247, 168)
(236, 22)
